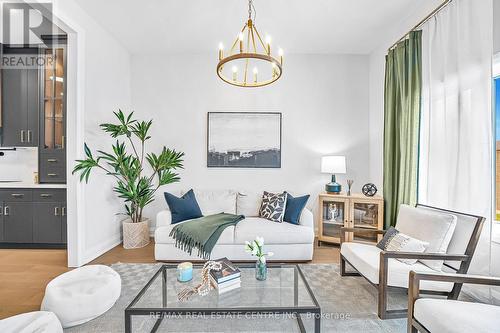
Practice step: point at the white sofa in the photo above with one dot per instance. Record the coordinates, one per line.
(289, 242)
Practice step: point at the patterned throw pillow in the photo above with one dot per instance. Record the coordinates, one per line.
(404, 243)
(273, 206)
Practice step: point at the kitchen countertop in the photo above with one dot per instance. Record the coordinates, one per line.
(29, 185)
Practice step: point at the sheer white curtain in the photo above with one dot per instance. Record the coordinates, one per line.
(455, 169)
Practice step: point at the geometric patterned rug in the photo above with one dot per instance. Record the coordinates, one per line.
(348, 304)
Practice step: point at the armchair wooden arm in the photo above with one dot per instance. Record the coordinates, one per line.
(414, 288)
(384, 255)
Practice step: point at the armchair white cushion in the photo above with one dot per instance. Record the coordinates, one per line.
(448, 316)
(435, 228)
(366, 259)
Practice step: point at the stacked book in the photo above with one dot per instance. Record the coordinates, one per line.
(228, 278)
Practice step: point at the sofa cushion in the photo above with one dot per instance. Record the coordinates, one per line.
(294, 206)
(183, 208)
(273, 206)
(434, 228)
(448, 316)
(162, 235)
(273, 233)
(366, 258)
(217, 201)
(248, 203)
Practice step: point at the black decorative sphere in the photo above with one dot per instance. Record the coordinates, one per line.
(369, 189)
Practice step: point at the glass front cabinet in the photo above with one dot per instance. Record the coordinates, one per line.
(52, 152)
(353, 211)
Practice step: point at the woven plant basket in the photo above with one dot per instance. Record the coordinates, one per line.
(135, 235)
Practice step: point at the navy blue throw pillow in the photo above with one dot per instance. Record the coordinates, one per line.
(183, 208)
(294, 207)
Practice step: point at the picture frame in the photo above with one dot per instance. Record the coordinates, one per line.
(244, 139)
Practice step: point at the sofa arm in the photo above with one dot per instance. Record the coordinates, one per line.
(163, 218)
(306, 218)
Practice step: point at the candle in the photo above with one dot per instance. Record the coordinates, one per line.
(240, 37)
(235, 73)
(255, 72)
(280, 53)
(221, 51)
(268, 45)
(184, 271)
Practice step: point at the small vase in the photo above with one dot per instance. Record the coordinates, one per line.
(260, 271)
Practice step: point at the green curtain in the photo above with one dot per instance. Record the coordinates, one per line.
(402, 101)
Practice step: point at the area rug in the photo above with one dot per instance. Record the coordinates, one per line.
(348, 304)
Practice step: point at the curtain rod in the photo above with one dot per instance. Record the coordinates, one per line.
(419, 24)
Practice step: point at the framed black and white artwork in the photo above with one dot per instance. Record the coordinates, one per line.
(244, 140)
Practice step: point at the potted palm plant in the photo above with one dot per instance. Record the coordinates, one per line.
(126, 162)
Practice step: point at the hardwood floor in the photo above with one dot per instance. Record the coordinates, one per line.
(25, 273)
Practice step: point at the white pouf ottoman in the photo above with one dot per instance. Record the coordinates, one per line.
(82, 294)
(37, 321)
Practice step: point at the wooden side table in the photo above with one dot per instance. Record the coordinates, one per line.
(351, 211)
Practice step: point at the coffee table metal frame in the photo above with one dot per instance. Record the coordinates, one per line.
(165, 311)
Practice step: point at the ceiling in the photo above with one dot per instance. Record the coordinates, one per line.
(197, 26)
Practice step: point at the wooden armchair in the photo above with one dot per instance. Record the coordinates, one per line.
(384, 272)
(444, 315)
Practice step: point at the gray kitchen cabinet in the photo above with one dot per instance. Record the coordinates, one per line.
(18, 222)
(64, 224)
(1, 222)
(33, 217)
(47, 222)
(20, 104)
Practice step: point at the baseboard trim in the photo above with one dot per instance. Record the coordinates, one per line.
(99, 250)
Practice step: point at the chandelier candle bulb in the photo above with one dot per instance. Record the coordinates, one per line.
(268, 45)
(235, 73)
(240, 37)
(221, 51)
(280, 53)
(255, 72)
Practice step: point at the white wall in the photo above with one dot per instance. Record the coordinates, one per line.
(102, 86)
(324, 101)
(496, 26)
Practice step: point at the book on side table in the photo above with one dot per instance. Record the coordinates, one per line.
(228, 278)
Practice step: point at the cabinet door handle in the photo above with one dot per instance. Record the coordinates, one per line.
(17, 195)
(56, 211)
(29, 135)
(6, 211)
(62, 141)
(52, 174)
(22, 136)
(52, 160)
(46, 195)
(63, 211)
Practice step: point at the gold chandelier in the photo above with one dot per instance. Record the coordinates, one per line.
(249, 53)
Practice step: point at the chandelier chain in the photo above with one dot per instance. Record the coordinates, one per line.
(251, 8)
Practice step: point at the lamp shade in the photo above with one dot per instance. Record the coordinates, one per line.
(333, 164)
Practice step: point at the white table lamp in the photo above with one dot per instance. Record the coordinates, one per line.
(333, 165)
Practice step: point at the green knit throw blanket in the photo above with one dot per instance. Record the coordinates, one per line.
(202, 233)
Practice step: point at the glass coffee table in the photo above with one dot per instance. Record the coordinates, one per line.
(285, 295)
